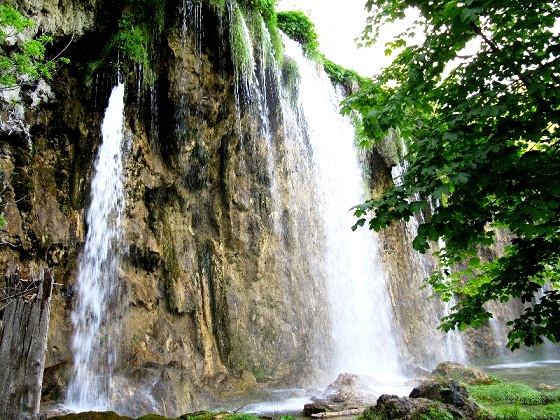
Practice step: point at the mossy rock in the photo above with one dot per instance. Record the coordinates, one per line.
(461, 373)
(92, 415)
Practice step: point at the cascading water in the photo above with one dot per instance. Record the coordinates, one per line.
(97, 283)
(360, 311)
(450, 345)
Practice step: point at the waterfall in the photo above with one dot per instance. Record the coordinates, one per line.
(449, 345)
(361, 320)
(97, 284)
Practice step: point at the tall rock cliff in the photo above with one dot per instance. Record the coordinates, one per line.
(207, 300)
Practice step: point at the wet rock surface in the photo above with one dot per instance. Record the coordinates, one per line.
(349, 391)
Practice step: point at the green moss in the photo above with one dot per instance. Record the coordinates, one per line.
(91, 415)
(265, 34)
(275, 39)
(517, 401)
(435, 413)
(291, 77)
(265, 27)
(264, 7)
(260, 373)
(242, 49)
(220, 4)
(512, 393)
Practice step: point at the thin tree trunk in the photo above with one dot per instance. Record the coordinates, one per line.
(23, 345)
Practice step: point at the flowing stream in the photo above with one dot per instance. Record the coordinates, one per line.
(95, 310)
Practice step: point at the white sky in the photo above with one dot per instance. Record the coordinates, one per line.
(338, 23)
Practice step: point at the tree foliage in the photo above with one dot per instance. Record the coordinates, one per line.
(482, 131)
(22, 59)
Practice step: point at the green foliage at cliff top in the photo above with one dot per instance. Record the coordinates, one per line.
(298, 27)
(266, 8)
(22, 61)
(482, 131)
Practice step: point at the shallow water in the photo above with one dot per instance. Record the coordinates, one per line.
(532, 373)
(279, 402)
(290, 401)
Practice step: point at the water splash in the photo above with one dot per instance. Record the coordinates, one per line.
(97, 283)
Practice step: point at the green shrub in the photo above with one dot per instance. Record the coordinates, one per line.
(141, 22)
(341, 75)
(24, 59)
(435, 414)
(298, 27)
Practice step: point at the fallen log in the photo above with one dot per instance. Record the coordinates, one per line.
(353, 412)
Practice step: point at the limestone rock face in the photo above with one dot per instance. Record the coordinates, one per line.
(63, 18)
(209, 304)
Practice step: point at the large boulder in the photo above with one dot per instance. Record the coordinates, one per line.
(447, 392)
(432, 399)
(453, 396)
(392, 407)
(348, 391)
